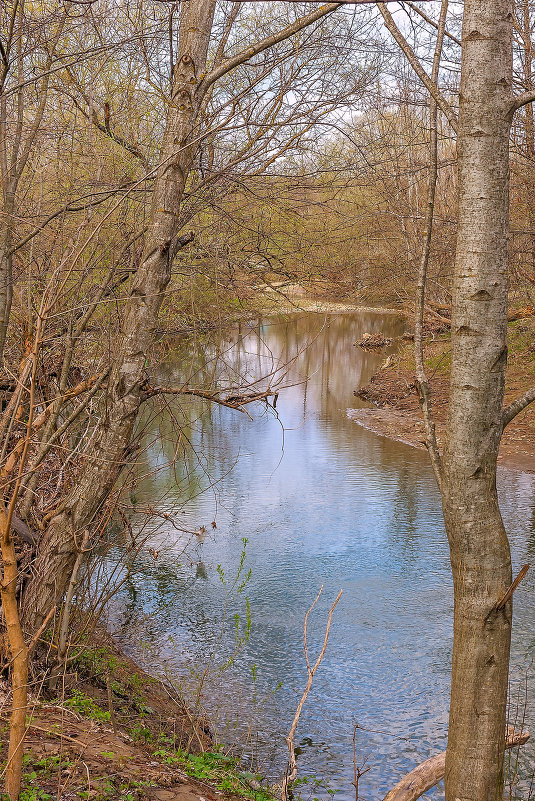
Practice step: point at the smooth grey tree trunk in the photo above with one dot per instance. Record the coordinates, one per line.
(479, 548)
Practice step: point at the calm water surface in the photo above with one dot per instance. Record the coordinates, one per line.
(321, 501)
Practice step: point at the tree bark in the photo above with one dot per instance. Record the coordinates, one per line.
(57, 551)
(6, 264)
(479, 548)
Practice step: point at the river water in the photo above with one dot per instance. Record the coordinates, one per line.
(321, 501)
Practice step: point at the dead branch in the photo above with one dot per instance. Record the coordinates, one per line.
(234, 401)
(509, 594)
(79, 389)
(517, 406)
(358, 770)
(291, 770)
(520, 314)
(430, 772)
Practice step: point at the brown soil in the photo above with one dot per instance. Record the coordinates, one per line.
(100, 763)
(397, 414)
(97, 737)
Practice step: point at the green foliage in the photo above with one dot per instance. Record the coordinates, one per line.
(129, 790)
(105, 788)
(218, 769)
(34, 794)
(47, 764)
(140, 733)
(238, 585)
(86, 707)
(95, 661)
(39, 770)
(313, 788)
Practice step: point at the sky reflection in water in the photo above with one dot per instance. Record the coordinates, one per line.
(321, 501)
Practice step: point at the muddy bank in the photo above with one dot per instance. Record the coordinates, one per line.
(112, 732)
(397, 412)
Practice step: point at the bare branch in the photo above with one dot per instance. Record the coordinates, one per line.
(105, 127)
(291, 770)
(517, 406)
(217, 73)
(233, 401)
(96, 199)
(229, 22)
(411, 57)
(522, 100)
(431, 22)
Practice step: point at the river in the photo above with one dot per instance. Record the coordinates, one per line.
(321, 501)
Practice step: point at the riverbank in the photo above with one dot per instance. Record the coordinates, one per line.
(112, 732)
(278, 298)
(291, 299)
(397, 412)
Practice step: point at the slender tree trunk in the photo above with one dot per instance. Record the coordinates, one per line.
(479, 548)
(6, 265)
(529, 125)
(57, 552)
(19, 659)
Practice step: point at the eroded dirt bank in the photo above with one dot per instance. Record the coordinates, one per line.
(111, 732)
(396, 413)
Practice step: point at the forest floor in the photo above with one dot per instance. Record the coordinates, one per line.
(114, 733)
(397, 412)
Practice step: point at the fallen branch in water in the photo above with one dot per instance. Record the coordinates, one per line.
(430, 772)
(235, 401)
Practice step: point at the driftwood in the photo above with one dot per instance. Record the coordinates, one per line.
(518, 314)
(430, 772)
(373, 341)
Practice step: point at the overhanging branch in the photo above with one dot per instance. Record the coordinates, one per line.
(431, 22)
(236, 400)
(413, 60)
(240, 58)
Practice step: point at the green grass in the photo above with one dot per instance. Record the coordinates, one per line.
(86, 707)
(218, 769)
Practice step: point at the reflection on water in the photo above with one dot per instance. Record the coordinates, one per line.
(321, 501)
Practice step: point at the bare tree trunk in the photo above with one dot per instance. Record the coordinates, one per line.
(191, 83)
(57, 552)
(6, 265)
(479, 549)
(19, 659)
